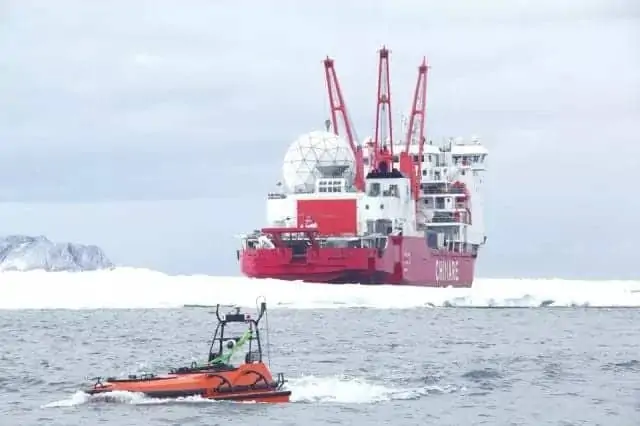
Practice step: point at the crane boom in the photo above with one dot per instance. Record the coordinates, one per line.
(413, 168)
(418, 107)
(384, 124)
(337, 104)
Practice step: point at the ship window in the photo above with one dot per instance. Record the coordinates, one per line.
(393, 191)
(374, 189)
(366, 206)
(330, 186)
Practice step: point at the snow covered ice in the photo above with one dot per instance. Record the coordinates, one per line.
(25, 253)
(131, 288)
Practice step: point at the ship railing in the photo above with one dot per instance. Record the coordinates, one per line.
(445, 221)
(460, 246)
(339, 238)
(441, 189)
(433, 180)
(276, 196)
(455, 192)
(442, 210)
(445, 210)
(443, 215)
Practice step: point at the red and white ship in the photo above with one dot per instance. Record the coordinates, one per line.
(381, 212)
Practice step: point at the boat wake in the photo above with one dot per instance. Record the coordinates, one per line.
(140, 288)
(309, 389)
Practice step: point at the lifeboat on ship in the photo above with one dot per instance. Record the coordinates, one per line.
(217, 379)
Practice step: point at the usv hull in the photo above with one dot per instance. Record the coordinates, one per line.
(218, 378)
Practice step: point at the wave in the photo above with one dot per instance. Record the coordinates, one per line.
(309, 389)
(130, 288)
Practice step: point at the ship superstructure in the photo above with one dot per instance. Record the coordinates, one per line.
(380, 210)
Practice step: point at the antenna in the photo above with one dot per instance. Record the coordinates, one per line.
(261, 304)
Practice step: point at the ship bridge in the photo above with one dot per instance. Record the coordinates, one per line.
(387, 208)
(451, 194)
(469, 154)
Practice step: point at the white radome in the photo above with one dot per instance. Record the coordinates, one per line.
(310, 153)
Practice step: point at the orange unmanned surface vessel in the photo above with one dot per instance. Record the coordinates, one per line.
(217, 379)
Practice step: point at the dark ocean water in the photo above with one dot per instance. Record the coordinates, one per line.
(346, 366)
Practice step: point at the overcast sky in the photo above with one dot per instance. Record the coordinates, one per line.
(154, 128)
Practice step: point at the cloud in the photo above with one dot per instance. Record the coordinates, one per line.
(205, 72)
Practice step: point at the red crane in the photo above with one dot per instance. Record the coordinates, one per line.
(415, 130)
(337, 104)
(383, 154)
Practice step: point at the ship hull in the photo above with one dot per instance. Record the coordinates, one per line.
(404, 261)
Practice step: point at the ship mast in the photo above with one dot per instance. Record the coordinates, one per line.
(337, 104)
(383, 153)
(416, 130)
